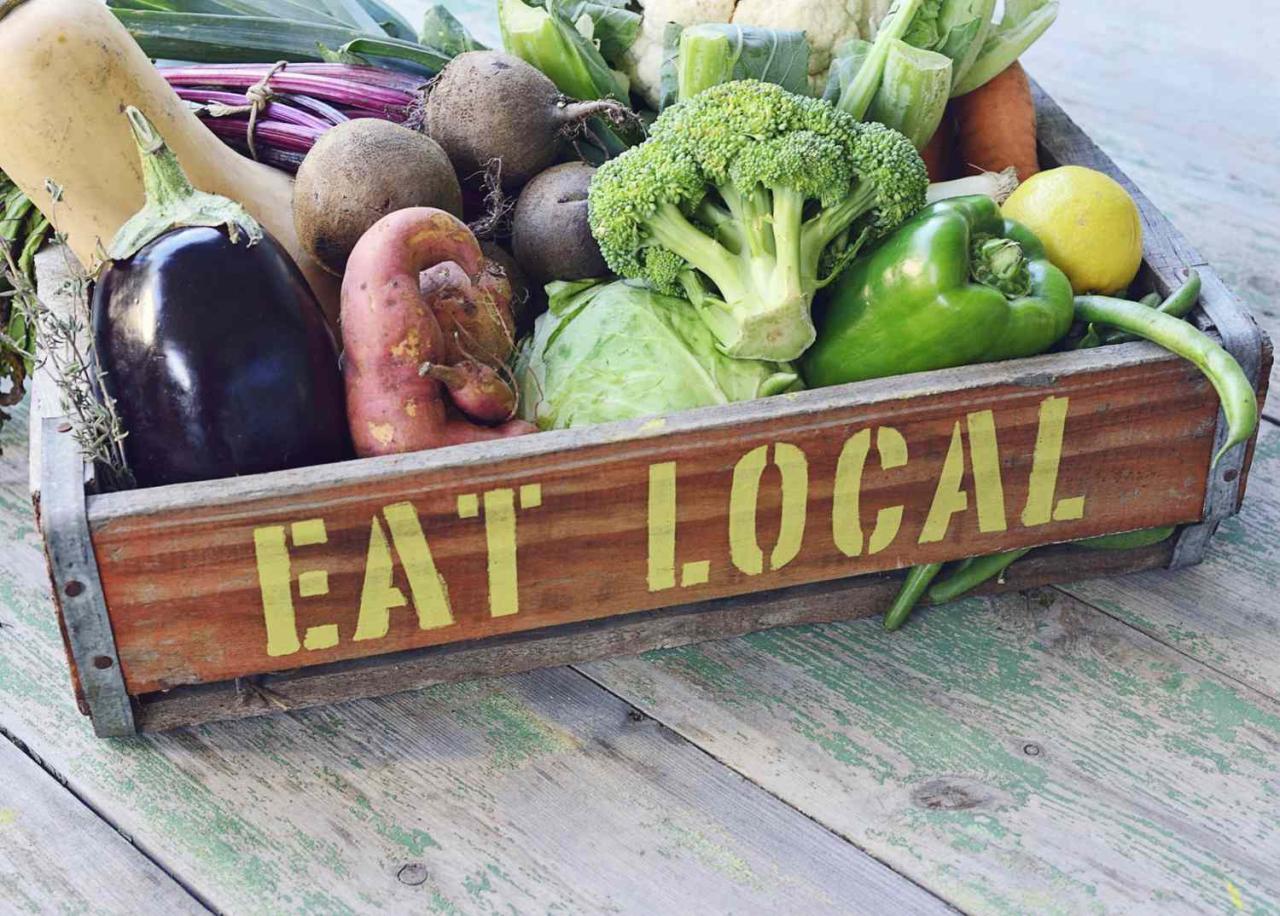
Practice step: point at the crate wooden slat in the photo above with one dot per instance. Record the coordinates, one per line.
(245, 596)
(185, 568)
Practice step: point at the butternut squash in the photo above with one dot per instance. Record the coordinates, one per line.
(70, 69)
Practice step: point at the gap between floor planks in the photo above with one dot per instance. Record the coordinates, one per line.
(1021, 759)
(54, 847)
(562, 789)
(1223, 613)
(1242, 680)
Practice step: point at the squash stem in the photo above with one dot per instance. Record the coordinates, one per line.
(8, 6)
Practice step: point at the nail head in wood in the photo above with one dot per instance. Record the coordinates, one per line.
(413, 874)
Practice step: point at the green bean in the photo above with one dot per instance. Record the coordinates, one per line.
(1131, 540)
(1239, 402)
(918, 581)
(978, 572)
(1180, 304)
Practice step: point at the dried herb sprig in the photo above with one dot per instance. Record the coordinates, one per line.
(22, 231)
(65, 348)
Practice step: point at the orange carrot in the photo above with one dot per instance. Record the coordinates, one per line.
(996, 126)
(940, 153)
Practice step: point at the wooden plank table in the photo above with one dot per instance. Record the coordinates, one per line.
(1109, 746)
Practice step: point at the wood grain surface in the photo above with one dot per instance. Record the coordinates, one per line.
(58, 855)
(533, 793)
(632, 634)
(190, 601)
(1225, 612)
(1112, 753)
(1024, 754)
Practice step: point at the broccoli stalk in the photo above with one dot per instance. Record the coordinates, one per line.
(747, 200)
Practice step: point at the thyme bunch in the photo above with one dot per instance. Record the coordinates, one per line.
(65, 350)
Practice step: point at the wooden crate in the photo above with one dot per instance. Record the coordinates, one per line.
(240, 597)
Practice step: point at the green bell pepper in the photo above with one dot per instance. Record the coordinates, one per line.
(957, 284)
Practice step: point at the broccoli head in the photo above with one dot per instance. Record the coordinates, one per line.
(748, 199)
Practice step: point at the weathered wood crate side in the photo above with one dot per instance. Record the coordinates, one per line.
(246, 596)
(212, 582)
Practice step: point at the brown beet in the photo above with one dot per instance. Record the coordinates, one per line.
(487, 106)
(551, 235)
(359, 172)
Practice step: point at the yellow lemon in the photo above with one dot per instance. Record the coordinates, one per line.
(1090, 226)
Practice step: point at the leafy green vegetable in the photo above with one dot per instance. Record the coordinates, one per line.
(1023, 23)
(617, 351)
(614, 27)
(443, 30)
(388, 19)
(954, 28)
(913, 97)
(371, 16)
(861, 89)
(913, 92)
(701, 56)
(547, 39)
(384, 52)
(848, 60)
(265, 31)
(960, 30)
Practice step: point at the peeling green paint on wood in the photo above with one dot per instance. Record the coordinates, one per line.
(1223, 612)
(1020, 755)
(537, 793)
(56, 855)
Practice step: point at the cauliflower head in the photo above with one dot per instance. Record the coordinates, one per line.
(827, 24)
(643, 61)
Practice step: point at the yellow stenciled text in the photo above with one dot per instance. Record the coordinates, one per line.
(398, 550)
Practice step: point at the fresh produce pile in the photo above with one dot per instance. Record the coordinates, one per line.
(636, 207)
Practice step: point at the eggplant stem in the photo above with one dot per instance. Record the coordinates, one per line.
(171, 201)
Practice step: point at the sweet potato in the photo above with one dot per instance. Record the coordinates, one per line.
(391, 331)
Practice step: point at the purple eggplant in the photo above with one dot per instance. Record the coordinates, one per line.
(215, 351)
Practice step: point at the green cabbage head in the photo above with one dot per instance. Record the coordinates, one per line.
(620, 351)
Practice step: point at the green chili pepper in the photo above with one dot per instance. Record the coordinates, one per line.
(1239, 402)
(918, 582)
(1131, 540)
(1180, 304)
(978, 572)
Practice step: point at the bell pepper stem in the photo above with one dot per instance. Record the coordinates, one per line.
(1002, 265)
